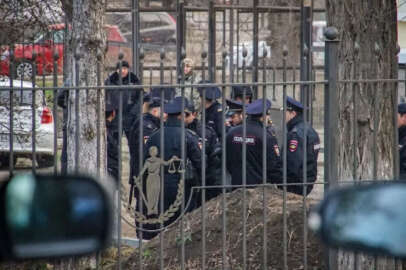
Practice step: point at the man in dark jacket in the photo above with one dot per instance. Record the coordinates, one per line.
(170, 159)
(297, 130)
(131, 97)
(213, 150)
(254, 145)
(150, 124)
(213, 108)
(402, 139)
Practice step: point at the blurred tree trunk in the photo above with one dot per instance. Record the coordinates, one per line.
(371, 25)
(84, 50)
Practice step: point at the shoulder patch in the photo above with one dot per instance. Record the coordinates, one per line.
(276, 149)
(293, 145)
(146, 139)
(220, 110)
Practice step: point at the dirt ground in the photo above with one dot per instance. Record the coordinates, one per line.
(234, 236)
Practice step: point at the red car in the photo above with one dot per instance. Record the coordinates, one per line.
(45, 44)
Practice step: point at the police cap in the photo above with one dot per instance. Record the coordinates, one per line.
(211, 93)
(169, 92)
(234, 106)
(175, 105)
(257, 108)
(293, 105)
(238, 91)
(402, 108)
(154, 103)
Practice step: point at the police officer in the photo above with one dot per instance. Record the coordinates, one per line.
(237, 92)
(295, 147)
(402, 139)
(254, 145)
(213, 150)
(112, 140)
(234, 113)
(172, 148)
(213, 108)
(151, 122)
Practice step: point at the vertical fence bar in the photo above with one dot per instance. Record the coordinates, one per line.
(77, 120)
(162, 155)
(244, 180)
(223, 170)
(331, 119)
(180, 35)
(284, 129)
(135, 30)
(98, 131)
(304, 165)
(355, 88)
(231, 44)
(183, 153)
(203, 197)
(34, 113)
(273, 85)
(212, 42)
(11, 121)
(55, 108)
(244, 63)
(120, 158)
(264, 165)
(255, 47)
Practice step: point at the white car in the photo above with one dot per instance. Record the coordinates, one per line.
(22, 124)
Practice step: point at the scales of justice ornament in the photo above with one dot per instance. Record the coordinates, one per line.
(152, 166)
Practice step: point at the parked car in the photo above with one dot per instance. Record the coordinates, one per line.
(22, 124)
(157, 29)
(45, 44)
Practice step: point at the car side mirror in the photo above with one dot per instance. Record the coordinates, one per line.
(49, 216)
(368, 218)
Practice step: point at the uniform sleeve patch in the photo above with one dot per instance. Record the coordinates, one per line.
(146, 139)
(293, 145)
(316, 147)
(276, 149)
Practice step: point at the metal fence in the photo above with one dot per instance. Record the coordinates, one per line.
(200, 243)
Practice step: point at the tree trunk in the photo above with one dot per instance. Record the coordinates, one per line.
(85, 51)
(88, 40)
(367, 50)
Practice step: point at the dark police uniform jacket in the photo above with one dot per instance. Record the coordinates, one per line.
(213, 156)
(130, 98)
(214, 118)
(112, 151)
(295, 148)
(150, 124)
(172, 147)
(254, 144)
(402, 152)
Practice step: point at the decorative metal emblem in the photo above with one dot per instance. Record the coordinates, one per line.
(153, 187)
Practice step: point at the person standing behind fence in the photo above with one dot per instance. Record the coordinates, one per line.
(130, 97)
(402, 140)
(254, 145)
(112, 140)
(213, 150)
(191, 164)
(295, 148)
(213, 108)
(190, 77)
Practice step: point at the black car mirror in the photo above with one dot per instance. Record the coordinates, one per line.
(367, 218)
(48, 216)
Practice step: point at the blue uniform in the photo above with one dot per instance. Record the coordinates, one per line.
(295, 154)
